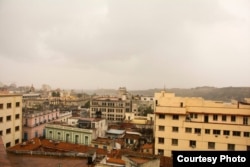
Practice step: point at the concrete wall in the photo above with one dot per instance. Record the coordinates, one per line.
(15, 136)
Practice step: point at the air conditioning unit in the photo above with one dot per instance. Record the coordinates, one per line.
(193, 146)
(216, 135)
(226, 136)
(198, 134)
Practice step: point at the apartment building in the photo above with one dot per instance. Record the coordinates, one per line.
(111, 108)
(34, 122)
(11, 119)
(185, 123)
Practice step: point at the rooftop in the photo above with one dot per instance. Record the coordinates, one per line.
(115, 161)
(116, 131)
(39, 144)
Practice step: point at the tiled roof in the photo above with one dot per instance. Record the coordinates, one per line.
(100, 140)
(147, 146)
(131, 136)
(29, 145)
(49, 145)
(139, 160)
(115, 161)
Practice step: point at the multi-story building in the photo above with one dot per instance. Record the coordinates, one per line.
(98, 125)
(77, 130)
(11, 119)
(66, 133)
(112, 108)
(184, 123)
(34, 122)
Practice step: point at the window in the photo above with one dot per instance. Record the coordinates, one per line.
(215, 117)
(245, 120)
(1, 119)
(17, 128)
(216, 132)
(175, 129)
(1, 106)
(197, 130)
(8, 118)
(105, 147)
(17, 116)
(161, 116)
(175, 142)
(8, 131)
(233, 118)
(211, 145)
(192, 115)
(160, 151)
(230, 147)
(8, 145)
(17, 104)
(96, 146)
(188, 130)
(86, 140)
(1, 133)
(236, 133)
(160, 140)
(226, 132)
(161, 128)
(246, 134)
(207, 131)
(175, 117)
(192, 143)
(16, 141)
(224, 118)
(8, 105)
(181, 104)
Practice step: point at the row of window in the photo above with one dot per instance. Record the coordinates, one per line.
(207, 131)
(215, 117)
(192, 143)
(8, 105)
(8, 131)
(8, 118)
(86, 138)
(94, 103)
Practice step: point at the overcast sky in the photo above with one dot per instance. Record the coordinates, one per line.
(138, 44)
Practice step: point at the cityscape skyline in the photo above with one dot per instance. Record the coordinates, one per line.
(139, 45)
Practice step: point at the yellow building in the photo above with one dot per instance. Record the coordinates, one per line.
(11, 119)
(186, 123)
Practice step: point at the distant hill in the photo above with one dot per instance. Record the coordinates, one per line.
(208, 93)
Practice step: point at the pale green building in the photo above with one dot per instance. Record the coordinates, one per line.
(69, 134)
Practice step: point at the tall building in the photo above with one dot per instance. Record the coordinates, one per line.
(11, 119)
(111, 108)
(186, 123)
(34, 122)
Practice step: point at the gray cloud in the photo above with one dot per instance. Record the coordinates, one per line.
(138, 44)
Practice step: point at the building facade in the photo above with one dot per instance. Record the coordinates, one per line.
(70, 134)
(197, 124)
(111, 108)
(11, 119)
(34, 122)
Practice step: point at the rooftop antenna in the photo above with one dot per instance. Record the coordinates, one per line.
(164, 88)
